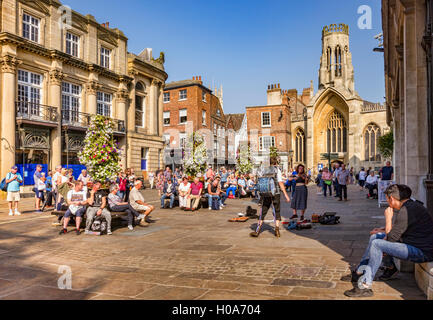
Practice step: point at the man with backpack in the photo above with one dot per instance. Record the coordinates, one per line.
(12, 185)
(97, 200)
(270, 185)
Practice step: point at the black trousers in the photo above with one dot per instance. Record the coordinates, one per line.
(128, 209)
(267, 203)
(337, 188)
(343, 190)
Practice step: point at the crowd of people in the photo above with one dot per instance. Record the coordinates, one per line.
(407, 235)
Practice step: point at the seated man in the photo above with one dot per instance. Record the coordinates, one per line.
(371, 184)
(136, 201)
(410, 238)
(116, 204)
(168, 192)
(195, 195)
(214, 192)
(77, 202)
(97, 200)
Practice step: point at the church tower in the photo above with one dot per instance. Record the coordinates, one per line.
(336, 69)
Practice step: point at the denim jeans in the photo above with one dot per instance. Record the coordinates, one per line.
(373, 256)
(164, 196)
(211, 197)
(325, 187)
(231, 189)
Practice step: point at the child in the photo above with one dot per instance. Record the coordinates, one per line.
(42, 187)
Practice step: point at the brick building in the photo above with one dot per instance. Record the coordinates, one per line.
(270, 126)
(190, 106)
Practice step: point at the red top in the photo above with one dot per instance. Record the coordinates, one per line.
(195, 188)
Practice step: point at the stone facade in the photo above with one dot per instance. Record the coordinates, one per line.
(190, 106)
(55, 77)
(407, 42)
(404, 25)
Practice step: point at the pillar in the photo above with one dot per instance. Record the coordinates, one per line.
(153, 99)
(9, 65)
(55, 100)
(92, 89)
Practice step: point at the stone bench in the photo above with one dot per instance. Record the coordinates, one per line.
(424, 278)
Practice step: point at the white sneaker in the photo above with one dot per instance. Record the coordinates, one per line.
(17, 213)
(141, 217)
(210, 208)
(130, 227)
(11, 213)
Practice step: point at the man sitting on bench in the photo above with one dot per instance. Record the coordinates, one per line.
(97, 200)
(77, 202)
(410, 238)
(136, 200)
(117, 205)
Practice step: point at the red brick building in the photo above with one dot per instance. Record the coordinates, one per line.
(190, 106)
(270, 126)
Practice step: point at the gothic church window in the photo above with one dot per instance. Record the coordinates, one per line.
(371, 138)
(336, 133)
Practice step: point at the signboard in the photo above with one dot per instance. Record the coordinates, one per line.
(382, 185)
(329, 156)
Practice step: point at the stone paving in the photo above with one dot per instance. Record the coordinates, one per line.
(193, 256)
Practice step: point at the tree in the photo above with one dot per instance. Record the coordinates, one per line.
(244, 162)
(195, 159)
(386, 145)
(101, 155)
(273, 153)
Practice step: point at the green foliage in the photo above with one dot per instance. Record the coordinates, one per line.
(386, 145)
(101, 155)
(273, 153)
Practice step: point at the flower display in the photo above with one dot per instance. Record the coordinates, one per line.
(195, 159)
(101, 163)
(244, 163)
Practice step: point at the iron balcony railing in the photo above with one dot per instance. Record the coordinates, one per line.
(82, 120)
(75, 118)
(34, 111)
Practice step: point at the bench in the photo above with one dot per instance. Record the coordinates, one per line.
(424, 278)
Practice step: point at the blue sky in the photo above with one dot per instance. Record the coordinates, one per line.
(245, 45)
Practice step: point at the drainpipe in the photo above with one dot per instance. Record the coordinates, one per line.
(427, 46)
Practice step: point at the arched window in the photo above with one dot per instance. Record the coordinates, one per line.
(371, 140)
(336, 133)
(140, 100)
(329, 58)
(300, 146)
(338, 67)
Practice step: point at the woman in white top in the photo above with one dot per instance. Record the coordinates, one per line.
(85, 178)
(371, 184)
(184, 191)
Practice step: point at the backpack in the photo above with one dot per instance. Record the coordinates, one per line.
(329, 218)
(99, 225)
(267, 184)
(4, 185)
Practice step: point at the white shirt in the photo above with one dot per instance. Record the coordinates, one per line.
(74, 196)
(184, 188)
(362, 175)
(279, 176)
(372, 179)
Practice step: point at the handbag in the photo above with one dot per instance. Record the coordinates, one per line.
(328, 182)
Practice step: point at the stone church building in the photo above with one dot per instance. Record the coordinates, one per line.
(335, 119)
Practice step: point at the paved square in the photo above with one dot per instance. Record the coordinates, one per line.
(193, 256)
